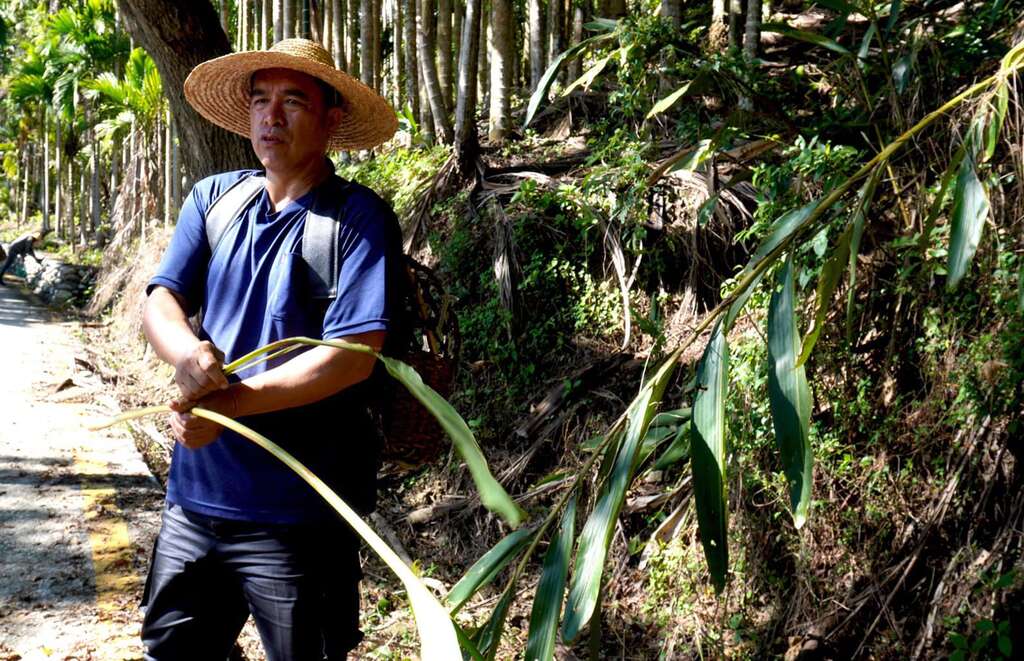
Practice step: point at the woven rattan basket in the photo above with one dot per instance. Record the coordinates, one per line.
(412, 437)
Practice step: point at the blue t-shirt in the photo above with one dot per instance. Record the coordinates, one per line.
(253, 290)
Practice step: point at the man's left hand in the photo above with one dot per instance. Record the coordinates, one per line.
(194, 432)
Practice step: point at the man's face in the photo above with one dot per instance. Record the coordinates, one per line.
(289, 122)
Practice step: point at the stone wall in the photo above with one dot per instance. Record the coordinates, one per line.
(58, 283)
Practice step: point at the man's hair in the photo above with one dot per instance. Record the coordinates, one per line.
(331, 96)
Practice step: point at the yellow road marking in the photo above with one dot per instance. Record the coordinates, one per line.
(112, 553)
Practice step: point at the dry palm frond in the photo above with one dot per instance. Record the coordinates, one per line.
(438, 188)
(506, 266)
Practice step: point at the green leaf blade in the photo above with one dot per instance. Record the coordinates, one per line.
(805, 36)
(789, 395)
(970, 209)
(597, 532)
(708, 455)
(544, 85)
(547, 603)
(486, 568)
(492, 494)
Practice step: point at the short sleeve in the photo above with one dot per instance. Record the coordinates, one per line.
(365, 238)
(184, 265)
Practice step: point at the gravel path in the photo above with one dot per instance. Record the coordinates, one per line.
(78, 509)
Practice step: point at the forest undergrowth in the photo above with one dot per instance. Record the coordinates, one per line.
(583, 251)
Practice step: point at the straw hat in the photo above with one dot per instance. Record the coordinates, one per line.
(219, 90)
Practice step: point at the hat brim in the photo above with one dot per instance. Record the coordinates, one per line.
(219, 91)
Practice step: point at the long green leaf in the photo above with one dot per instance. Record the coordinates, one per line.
(544, 85)
(789, 395)
(667, 102)
(691, 87)
(597, 532)
(996, 117)
(488, 637)
(547, 603)
(438, 639)
(805, 36)
(970, 209)
(677, 450)
(587, 79)
(708, 454)
(492, 494)
(948, 177)
(781, 229)
(672, 418)
(486, 568)
(843, 255)
(737, 306)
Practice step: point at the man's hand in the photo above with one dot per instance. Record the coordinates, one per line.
(194, 432)
(199, 373)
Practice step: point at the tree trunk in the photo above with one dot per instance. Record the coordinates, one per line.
(465, 106)
(397, 35)
(378, 62)
(168, 175)
(265, 14)
(222, 12)
(444, 52)
(175, 167)
(672, 10)
(353, 38)
(338, 32)
(501, 70)
(366, 41)
(752, 33)
(614, 8)
(94, 190)
(243, 25)
(326, 30)
(426, 114)
(27, 176)
(433, 87)
(412, 86)
(538, 61)
(58, 198)
(83, 195)
(278, 20)
(157, 25)
(579, 16)
(483, 86)
(46, 171)
(737, 16)
(305, 27)
(556, 30)
(458, 11)
(116, 157)
(132, 173)
(289, 18)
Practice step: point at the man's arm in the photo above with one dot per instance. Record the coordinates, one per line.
(197, 364)
(306, 378)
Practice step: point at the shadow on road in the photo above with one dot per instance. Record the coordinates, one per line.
(17, 310)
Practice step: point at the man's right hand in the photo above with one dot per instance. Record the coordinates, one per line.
(200, 372)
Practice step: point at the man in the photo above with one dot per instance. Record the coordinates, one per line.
(241, 533)
(23, 246)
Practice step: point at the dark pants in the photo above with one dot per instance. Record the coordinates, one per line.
(300, 582)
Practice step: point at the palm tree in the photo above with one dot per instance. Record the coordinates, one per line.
(132, 103)
(32, 89)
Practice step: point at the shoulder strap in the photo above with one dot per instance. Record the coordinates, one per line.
(320, 239)
(229, 206)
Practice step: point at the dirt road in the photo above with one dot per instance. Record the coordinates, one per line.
(78, 509)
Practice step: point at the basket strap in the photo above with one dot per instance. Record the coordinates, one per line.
(229, 206)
